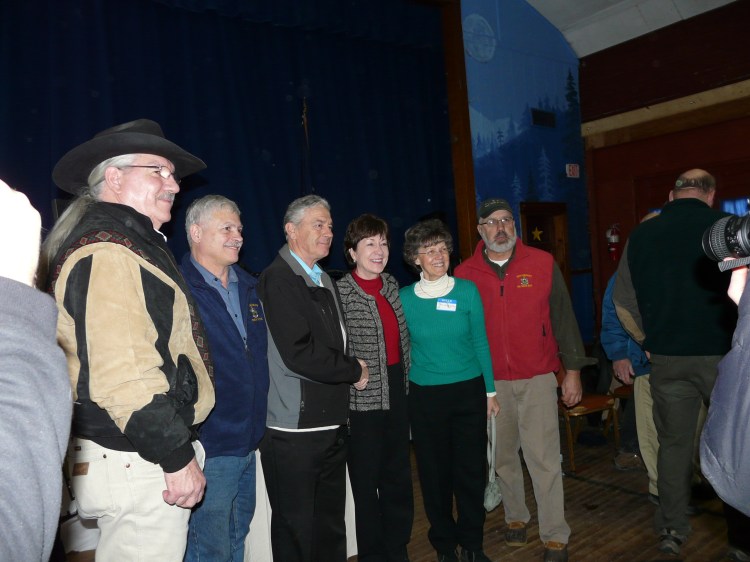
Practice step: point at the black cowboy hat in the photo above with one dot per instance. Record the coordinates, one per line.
(141, 136)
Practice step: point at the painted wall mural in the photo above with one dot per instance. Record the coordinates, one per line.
(522, 79)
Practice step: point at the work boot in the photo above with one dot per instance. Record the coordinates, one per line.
(555, 552)
(516, 534)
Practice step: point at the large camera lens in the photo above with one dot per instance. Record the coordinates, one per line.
(728, 237)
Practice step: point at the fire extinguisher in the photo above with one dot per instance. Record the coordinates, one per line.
(613, 242)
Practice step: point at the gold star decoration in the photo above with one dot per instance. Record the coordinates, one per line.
(537, 234)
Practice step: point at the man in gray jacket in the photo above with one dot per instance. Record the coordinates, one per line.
(304, 449)
(35, 394)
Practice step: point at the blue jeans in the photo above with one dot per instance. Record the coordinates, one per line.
(220, 523)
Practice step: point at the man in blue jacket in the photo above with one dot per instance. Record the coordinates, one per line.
(237, 336)
(631, 367)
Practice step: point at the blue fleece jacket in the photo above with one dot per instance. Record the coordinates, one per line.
(238, 421)
(616, 342)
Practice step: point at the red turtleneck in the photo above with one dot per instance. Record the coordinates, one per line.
(387, 317)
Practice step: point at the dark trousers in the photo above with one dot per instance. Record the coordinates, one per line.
(380, 474)
(679, 384)
(305, 475)
(449, 429)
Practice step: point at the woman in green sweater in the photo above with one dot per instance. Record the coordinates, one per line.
(451, 394)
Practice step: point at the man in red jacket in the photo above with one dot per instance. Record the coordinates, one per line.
(530, 326)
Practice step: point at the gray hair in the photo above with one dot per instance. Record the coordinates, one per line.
(296, 209)
(96, 177)
(422, 235)
(200, 209)
(74, 213)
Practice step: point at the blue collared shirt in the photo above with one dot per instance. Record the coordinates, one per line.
(314, 273)
(230, 295)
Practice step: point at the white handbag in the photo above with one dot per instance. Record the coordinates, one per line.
(492, 495)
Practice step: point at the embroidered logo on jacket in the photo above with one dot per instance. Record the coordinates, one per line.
(254, 316)
(524, 281)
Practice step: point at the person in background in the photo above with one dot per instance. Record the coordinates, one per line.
(304, 450)
(531, 327)
(631, 367)
(451, 393)
(671, 299)
(140, 372)
(379, 466)
(237, 335)
(721, 435)
(35, 395)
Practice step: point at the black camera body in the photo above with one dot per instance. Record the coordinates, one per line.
(728, 237)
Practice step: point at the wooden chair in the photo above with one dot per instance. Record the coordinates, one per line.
(589, 404)
(623, 392)
(620, 393)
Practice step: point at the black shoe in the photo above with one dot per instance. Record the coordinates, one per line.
(450, 556)
(473, 556)
(670, 541)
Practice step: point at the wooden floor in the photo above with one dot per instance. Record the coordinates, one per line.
(609, 515)
(607, 510)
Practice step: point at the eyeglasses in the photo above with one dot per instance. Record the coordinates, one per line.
(434, 252)
(163, 171)
(498, 222)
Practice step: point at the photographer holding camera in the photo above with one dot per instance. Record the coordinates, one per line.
(725, 446)
(672, 300)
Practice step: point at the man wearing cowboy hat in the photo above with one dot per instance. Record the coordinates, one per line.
(136, 351)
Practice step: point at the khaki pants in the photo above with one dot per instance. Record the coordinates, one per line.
(123, 492)
(648, 442)
(528, 421)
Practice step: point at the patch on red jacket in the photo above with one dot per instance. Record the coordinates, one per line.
(524, 281)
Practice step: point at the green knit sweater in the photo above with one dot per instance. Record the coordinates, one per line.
(448, 340)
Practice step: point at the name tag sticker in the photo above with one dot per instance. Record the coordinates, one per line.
(447, 304)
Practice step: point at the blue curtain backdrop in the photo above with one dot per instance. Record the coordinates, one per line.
(226, 80)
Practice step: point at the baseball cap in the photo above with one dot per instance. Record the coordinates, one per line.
(489, 206)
